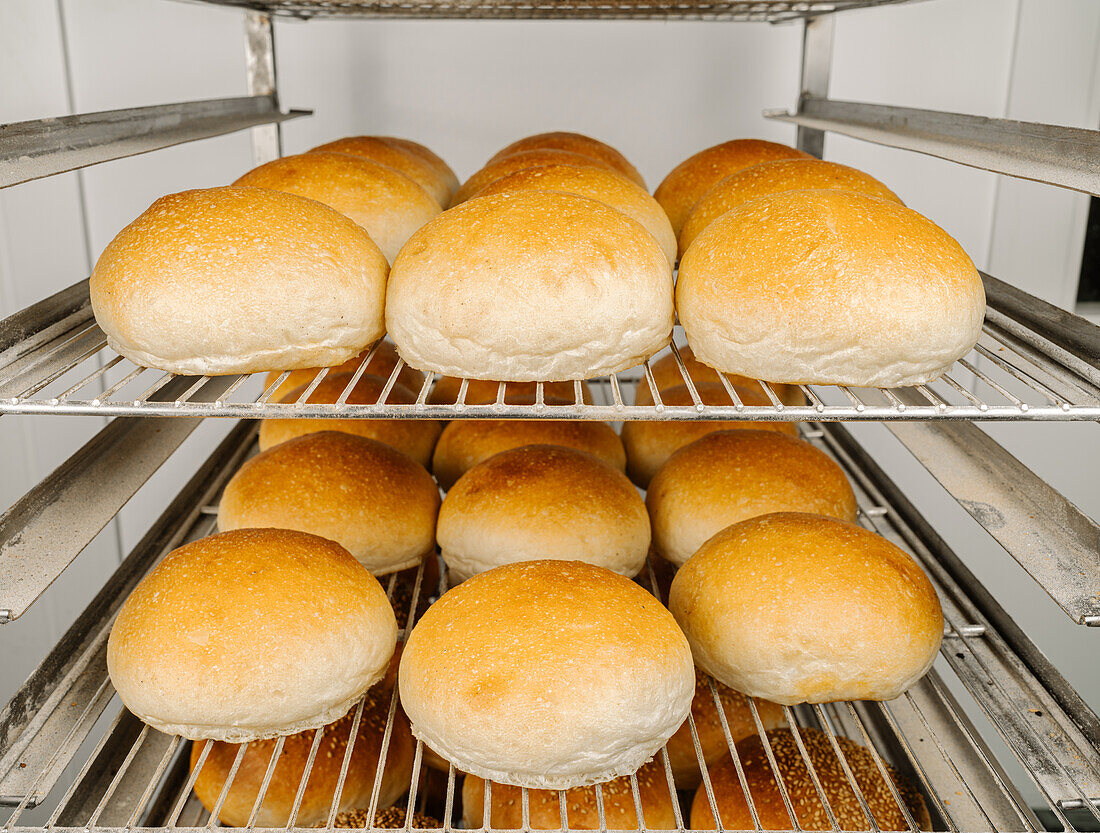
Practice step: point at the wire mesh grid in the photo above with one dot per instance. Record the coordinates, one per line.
(135, 778)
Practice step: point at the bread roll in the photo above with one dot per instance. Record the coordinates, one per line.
(324, 774)
(441, 168)
(582, 813)
(650, 443)
(530, 285)
(692, 178)
(396, 154)
(484, 391)
(542, 502)
(680, 748)
(547, 674)
(887, 298)
(466, 442)
(730, 476)
(518, 162)
(250, 634)
(596, 184)
(800, 608)
(381, 364)
(574, 143)
(768, 801)
(238, 280)
(414, 437)
(376, 502)
(774, 178)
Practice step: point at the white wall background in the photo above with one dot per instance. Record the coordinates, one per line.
(658, 91)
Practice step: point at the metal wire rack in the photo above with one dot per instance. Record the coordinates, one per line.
(133, 778)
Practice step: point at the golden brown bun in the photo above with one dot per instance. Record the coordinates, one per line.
(666, 374)
(574, 143)
(414, 437)
(544, 809)
(547, 674)
(466, 442)
(442, 169)
(387, 204)
(250, 634)
(692, 178)
(379, 504)
(800, 608)
(324, 775)
(542, 502)
(730, 476)
(887, 298)
(604, 186)
(517, 162)
(239, 280)
(530, 285)
(774, 178)
(393, 153)
(381, 364)
(650, 443)
(484, 391)
(680, 748)
(764, 789)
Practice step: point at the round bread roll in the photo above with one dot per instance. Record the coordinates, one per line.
(596, 184)
(692, 178)
(582, 812)
(530, 285)
(682, 757)
(730, 476)
(387, 204)
(466, 442)
(324, 774)
(574, 143)
(381, 364)
(374, 501)
(441, 168)
(887, 299)
(518, 162)
(484, 392)
(395, 154)
(800, 608)
(547, 674)
(650, 443)
(238, 280)
(250, 634)
(414, 437)
(542, 502)
(774, 178)
(768, 801)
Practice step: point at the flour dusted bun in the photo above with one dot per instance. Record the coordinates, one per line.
(574, 143)
(382, 363)
(692, 178)
(378, 503)
(774, 178)
(396, 153)
(530, 285)
(466, 442)
(250, 634)
(888, 298)
(806, 609)
(324, 774)
(800, 787)
(547, 674)
(387, 204)
(542, 502)
(414, 437)
(730, 476)
(485, 391)
(582, 812)
(604, 186)
(649, 443)
(519, 161)
(237, 280)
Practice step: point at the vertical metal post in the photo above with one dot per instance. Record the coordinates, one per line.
(817, 62)
(267, 139)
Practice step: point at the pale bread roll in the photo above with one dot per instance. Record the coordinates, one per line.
(382, 363)
(238, 280)
(574, 143)
(396, 154)
(517, 162)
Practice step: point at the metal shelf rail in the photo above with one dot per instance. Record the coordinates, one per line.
(136, 778)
